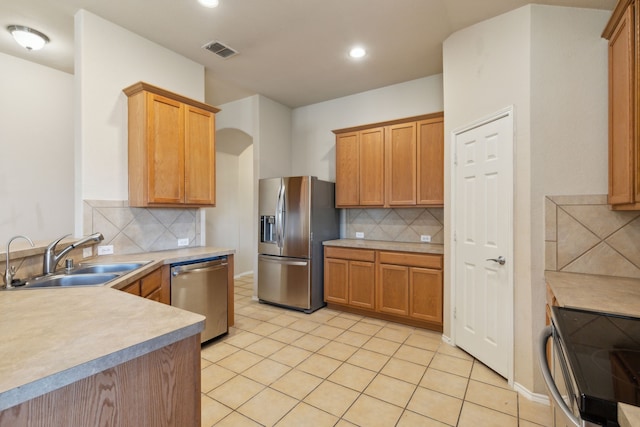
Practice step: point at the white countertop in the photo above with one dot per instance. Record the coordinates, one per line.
(54, 337)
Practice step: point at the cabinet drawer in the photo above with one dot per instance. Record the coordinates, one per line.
(150, 283)
(349, 253)
(411, 259)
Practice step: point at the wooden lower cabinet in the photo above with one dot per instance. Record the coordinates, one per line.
(362, 284)
(154, 286)
(397, 286)
(349, 277)
(425, 294)
(393, 290)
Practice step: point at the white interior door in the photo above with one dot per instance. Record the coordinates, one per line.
(483, 242)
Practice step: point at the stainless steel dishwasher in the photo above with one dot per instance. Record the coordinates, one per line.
(201, 287)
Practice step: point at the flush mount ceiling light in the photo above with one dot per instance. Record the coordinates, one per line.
(28, 37)
(209, 3)
(357, 52)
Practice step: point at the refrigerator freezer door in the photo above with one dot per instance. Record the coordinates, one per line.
(284, 281)
(296, 219)
(269, 189)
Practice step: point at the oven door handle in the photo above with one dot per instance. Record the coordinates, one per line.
(546, 333)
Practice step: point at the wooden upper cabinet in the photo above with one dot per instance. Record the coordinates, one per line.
(371, 176)
(401, 157)
(347, 169)
(624, 167)
(392, 164)
(165, 153)
(200, 155)
(430, 171)
(360, 168)
(171, 149)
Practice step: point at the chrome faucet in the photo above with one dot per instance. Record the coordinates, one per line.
(11, 270)
(51, 260)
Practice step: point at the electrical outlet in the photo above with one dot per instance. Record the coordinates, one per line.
(359, 235)
(425, 238)
(183, 242)
(105, 250)
(87, 252)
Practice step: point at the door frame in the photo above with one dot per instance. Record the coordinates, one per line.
(505, 112)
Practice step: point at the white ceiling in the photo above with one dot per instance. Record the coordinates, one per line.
(292, 51)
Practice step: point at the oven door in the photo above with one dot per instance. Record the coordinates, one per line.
(559, 382)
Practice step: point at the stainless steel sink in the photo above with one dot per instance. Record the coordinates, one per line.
(89, 274)
(65, 280)
(114, 267)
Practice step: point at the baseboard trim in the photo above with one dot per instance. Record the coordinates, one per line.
(534, 397)
(246, 273)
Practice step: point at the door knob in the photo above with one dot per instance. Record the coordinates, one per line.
(500, 260)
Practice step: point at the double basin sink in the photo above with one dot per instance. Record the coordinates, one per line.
(91, 274)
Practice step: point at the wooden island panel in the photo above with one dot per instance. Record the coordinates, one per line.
(159, 389)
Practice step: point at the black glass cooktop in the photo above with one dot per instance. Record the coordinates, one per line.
(604, 357)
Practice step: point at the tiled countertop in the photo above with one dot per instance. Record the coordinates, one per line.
(600, 293)
(54, 337)
(427, 248)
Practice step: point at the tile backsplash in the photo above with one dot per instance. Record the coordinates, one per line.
(132, 230)
(397, 225)
(582, 235)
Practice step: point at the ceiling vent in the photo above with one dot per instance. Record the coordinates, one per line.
(220, 49)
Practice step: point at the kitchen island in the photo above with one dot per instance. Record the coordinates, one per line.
(98, 356)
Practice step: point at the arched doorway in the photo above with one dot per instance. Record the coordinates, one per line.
(231, 224)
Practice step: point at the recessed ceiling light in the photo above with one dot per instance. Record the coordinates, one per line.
(27, 37)
(209, 3)
(357, 52)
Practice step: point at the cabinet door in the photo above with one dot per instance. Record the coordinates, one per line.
(200, 156)
(362, 284)
(393, 290)
(347, 170)
(371, 174)
(401, 164)
(430, 168)
(336, 278)
(151, 283)
(621, 119)
(425, 294)
(165, 150)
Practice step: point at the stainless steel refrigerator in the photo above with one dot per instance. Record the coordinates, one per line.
(296, 215)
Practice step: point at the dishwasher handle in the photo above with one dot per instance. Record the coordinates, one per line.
(201, 266)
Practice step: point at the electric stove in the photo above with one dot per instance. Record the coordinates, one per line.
(603, 355)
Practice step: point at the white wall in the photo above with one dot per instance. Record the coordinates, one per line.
(266, 125)
(247, 217)
(486, 68)
(109, 58)
(550, 64)
(569, 124)
(36, 137)
(230, 224)
(273, 139)
(313, 143)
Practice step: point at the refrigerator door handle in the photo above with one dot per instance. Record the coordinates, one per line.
(283, 261)
(280, 217)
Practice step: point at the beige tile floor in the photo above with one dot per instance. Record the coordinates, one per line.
(279, 367)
